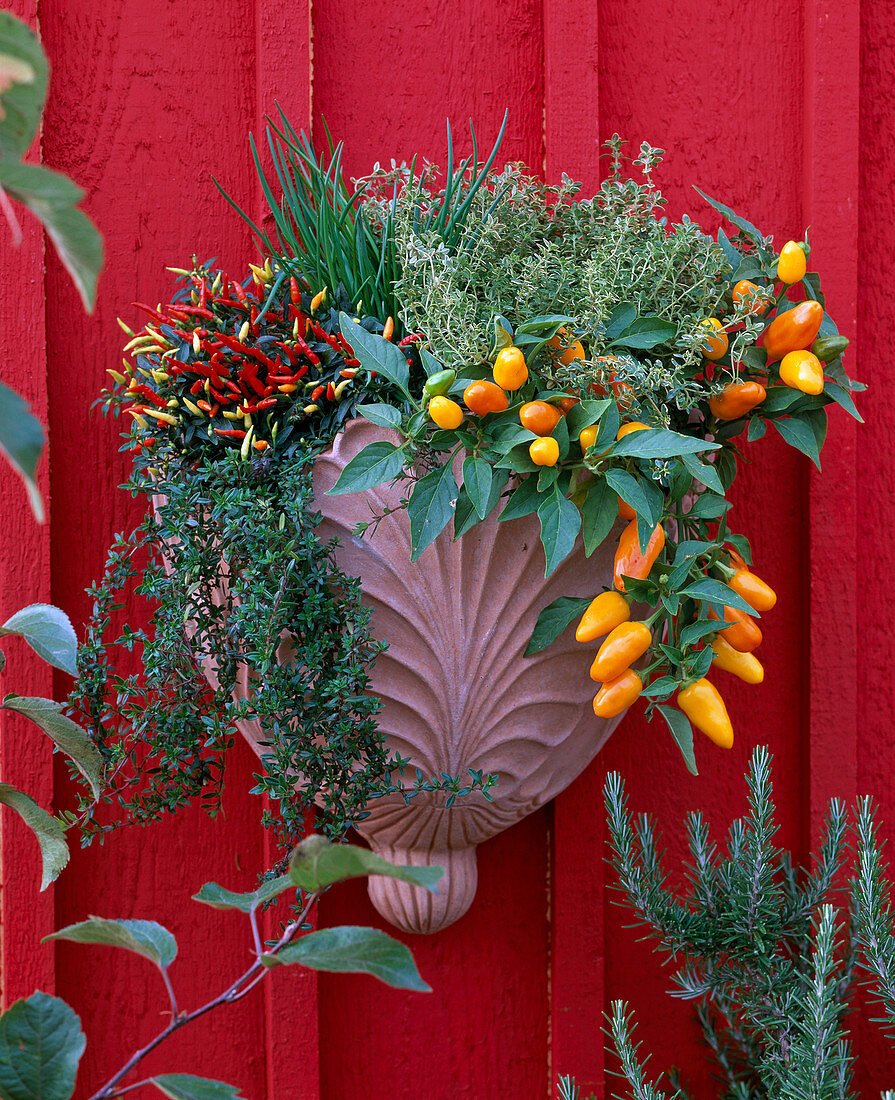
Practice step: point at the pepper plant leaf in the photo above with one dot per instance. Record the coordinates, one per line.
(431, 507)
(646, 332)
(744, 226)
(660, 443)
(49, 832)
(376, 354)
(798, 433)
(143, 937)
(386, 416)
(717, 593)
(599, 514)
(351, 949)
(560, 524)
(41, 1043)
(377, 462)
(477, 482)
(553, 620)
(682, 732)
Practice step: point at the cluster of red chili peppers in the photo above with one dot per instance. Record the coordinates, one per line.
(241, 365)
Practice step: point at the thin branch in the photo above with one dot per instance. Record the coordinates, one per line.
(235, 992)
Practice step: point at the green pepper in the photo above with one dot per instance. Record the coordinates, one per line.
(828, 348)
(439, 383)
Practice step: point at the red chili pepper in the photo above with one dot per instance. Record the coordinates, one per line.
(197, 311)
(350, 373)
(239, 291)
(317, 391)
(247, 409)
(231, 433)
(232, 387)
(150, 395)
(197, 386)
(222, 398)
(153, 313)
(412, 339)
(178, 315)
(301, 372)
(330, 392)
(267, 403)
(290, 352)
(295, 293)
(203, 296)
(310, 355)
(356, 363)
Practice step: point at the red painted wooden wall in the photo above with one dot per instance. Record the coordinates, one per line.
(783, 108)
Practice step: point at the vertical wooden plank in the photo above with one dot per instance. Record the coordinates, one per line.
(385, 78)
(571, 92)
(830, 162)
(690, 83)
(576, 975)
(147, 103)
(25, 752)
(283, 79)
(872, 472)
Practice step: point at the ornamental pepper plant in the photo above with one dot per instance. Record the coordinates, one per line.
(577, 358)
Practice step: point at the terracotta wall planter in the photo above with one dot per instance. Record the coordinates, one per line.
(456, 689)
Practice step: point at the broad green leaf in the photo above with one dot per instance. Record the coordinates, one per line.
(660, 443)
(732, 256)
(431, 507)
(560, 524)
(477, 483)
(143, 937)
(745, 227)
(184, 1086)
(584, 414)
(377, 462)
(508, 436)
(553, 620)
(350, 949)
(41, 1043)
(709, 505)
(386, 416)
(316, 863)
(431, 365)
(644, 497)
(798, 434)
(599, 514)
(49, 633)
(22, 440)
(523, 500)
(621, 317)
(647, 332)
(816, 419)
(50, 834)
(218, 897)
(65, 734)
(682, 732)
(717, 592)
(757, 429)
(23, 86)
(695, 631)
(465, 516)
(376, 354)
(704, 472)
(843, 398)
(52, 198)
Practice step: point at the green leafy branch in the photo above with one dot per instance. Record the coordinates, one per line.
(41, 1041)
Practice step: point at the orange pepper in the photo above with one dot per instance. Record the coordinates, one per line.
(630, 561)
(743, 633)
(617, 695)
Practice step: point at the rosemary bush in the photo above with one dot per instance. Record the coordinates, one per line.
(769, 951)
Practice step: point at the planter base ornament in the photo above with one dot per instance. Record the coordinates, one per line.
(440, 491)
